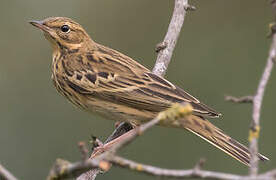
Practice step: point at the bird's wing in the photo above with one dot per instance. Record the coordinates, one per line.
(120, 79)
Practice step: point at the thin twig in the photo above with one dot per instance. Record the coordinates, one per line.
(257, 103)
(165, 48)
(5, 174)
(63, 169)
(199, 164)
(243, 99)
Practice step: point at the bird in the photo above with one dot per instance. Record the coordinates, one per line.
(104, 81)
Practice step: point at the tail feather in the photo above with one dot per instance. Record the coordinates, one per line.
(207, 131)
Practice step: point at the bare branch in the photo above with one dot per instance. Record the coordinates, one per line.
(165, 48)
(5, 174)
(183, 174)
(100, 148)
(71, 170)
(64, 169)
(243, 99)
(257, 103)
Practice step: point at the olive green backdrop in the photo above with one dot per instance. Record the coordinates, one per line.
(222, 50)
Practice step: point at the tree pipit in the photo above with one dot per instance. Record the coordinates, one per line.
(104, 81)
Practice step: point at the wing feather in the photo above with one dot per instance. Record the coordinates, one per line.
(129, 83)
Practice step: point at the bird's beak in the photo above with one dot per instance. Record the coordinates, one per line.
(40, 25)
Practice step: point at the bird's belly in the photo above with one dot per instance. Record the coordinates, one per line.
(118, 112)
(103, 108)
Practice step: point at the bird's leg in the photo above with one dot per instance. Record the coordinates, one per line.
(120, 129)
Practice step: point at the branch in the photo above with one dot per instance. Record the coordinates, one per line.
(243, 99)
(119, 134)
(257, 103)
(183, 174)
(64, 169)
(165, 48)
(5, 174)
(67, 170)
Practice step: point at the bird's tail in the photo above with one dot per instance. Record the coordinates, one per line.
(207, 131)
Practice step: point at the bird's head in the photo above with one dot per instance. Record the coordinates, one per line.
(62, 32)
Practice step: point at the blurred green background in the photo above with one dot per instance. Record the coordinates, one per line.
(222, 50)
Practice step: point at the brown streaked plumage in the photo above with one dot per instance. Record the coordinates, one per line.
(102, 80)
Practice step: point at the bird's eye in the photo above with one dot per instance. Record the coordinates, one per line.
(65, 28)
